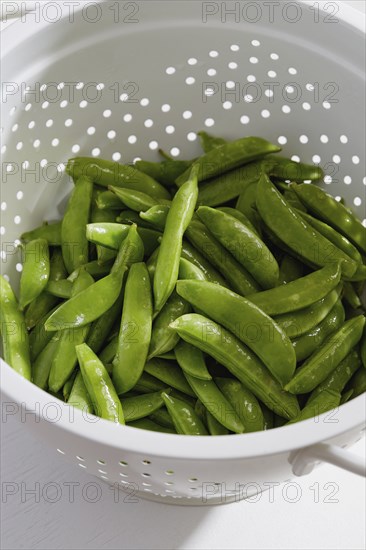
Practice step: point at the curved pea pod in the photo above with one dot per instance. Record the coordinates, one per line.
(214, 427)
(213, 339)
(108, 200)
(300, 293)
(229, 156)
(156, 215)
(129, 217)
(74, 241)
(322, 403)
(245, 245)
(332, 212)
(306, 344)
(162, 417)
(135, 331)
(338, 379)
(209, 142)
(99, 385)
(131, 251)
(246, 321)
(246, 202)
(60, 289)
(79, 396)
(244, 403)
(287, 169)
(109, 352)
(39, 337)
(363, 348)
(191, 254)
(350, 296)
(66, 390)
(216, 403)
(187, 270)
(295, 232)
(165, 172)
(346, 396)
(324, 360)
(36, 271)
(169, 356)
(191, 361)
(13, 331)
(96, 270)
(141, 406)
(239, 216)
(236, 275)
(358, 383)
(290, 269)
(135, 200)
(299, 322)
(51, 232)
(268, 417)
(149, 384)
(185, 419)
(178, 219)
(102, 327)
(112, 235)
(42, 365)
(169, 373)
(292, 199)
(201, 412)
(105, 173)
(150, 425)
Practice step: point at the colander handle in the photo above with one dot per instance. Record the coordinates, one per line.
(303, 461)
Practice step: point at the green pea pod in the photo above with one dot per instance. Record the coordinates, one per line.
(147, 424)
(96, 270)
(290, 270)
(246, 321)
(324, 360)
(286, 169)
(359, 275)
(163, 338)
(245, 245)
(42, 365)
(156, 215)
(129, 217)
(135, 332)
(322, 403)
(363, 348)
(74, 242)
(209, 142)
(244, 403)
(216, 403)
(169, 356)
(299, 322)
(346, 396)
(236, 357)
(79, 396)
(36, 271)
(201, 412)
(178, 219)
(338, 379)
(135, 200)
(102, 327)
(99, 215)
(148, 384)
(60, 289)
(306, 344)
(165, 172)
(107, 200)
(105, 173)
(241, 217)
(236, 275)
(108, 354)
(358, 383)
(169, 373)
(185, 419)
(214, 426)
(268, 417)
(112, 235)
(99, 385)
(332, 212)
(131, 251)
(13, 331)
(292, 199)
(191, 254)
(39, 337)
(105, 255)
(350, 296)
(187, 270)
(66, 390)
(162, 417)
(300, 293)
(229, 156)
(191, 361)
(248, 197)
(141, 406)
(51, 232)
(295, 232)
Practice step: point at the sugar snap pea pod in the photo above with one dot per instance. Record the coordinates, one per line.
(191, 361)
(338, 379)
(295, 232)
(39, 337)
(300, 293)
(128, 217)
(201, 412)
(149, 384)
(286, 169)
(229, 156)
(107, 200)
(290, 269)
(51, 232)
(66, 390)
(141, 406)
(216, 403)
(245, 245)
(163, 338)
(214, 426)
(170, 373)
(192, 255)
(359, 275)
(147, 424)
(185, 419)
(346, 396)
(135, 200)
(13, 331)
(292, 199)
(36, 271)
(213, 339)
(363, 348)
(112, 235)
(244, 403)
(109, 352)
(102, 327)
(74, 242)
(169, 356)
(178, 219)
(350, 296)
(358, 383)
(131, 251)
(247, 198)
(60, 289)
(99, 215)
(105, 255)
(99, 385)
(165, 172)
(323, 402)
(334, 213)
(105, 173)
(96, 270)
(79, 396)
(249, 324)
(156, 215)
(187, 270)
(324, 360)
(299, 322)
(236, 275)
(42, 365)
(162, 417)
(209, 142)
(239, 216)
(135, 332)
(268, 417)
(306, 344)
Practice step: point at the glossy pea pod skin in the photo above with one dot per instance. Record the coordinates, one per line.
(60, 289)
(245, 245)
(128, 217)
(162, 417)
(79, 397)
(108, 200)
(290, 270)
(149, 384)
(42, 365)
(323, 361)
(156, 215)
(185, 419)
(213, 339)
(13, 331)
(287, 169)
(165, 172)
(244, 402)
(187, 270)
(35, 273)
(112, 235)
(102, 327)
(135, 200)
(214, 427)
(247, 322)
(135, 331)
(141, 406)
(293, 230)
(150, 425)
(351, 297)
(51, 232)
(191, 254)
(191, 361)
(209, 142)
(105, 173)
(130, 251)
(239, 216)
(170, 374)
(39, 337)
(99, 385)
(322, 403)
(178, 219)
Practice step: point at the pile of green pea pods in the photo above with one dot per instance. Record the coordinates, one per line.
(212, 296)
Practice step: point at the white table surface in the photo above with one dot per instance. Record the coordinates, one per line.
(329, 513)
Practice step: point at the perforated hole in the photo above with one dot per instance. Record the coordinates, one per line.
(116, 157)
(274, 56)
(55, 142)
(127, 117)
(265, 113)
(145, 474)
(123, 475)
(170, 70)
(170, 129)
(253, 60)
(175, 151)
(144, 102)
(169, 472)
(304, 139)
(82, 466)
(60, 451)
(232, 65)
(91, 131)
(190, 80)
(292, 71)
(153, 145)
(209, 122)
(68, 122)
(251, 78)
(244, 119)
(295, 158)
(256, 43)
(132, 139)
(191, 136)
(187, 115)
(123, 463)
(326, 105)
(19, 195)
(211, 72)
(227, 105)
(234, 48)
(328, 179)
(357, 201)
(306, 106)
(100, 461)
(165, 108)
(2, 230)
(75, 148)
(347, 180)
(272, 74)
(336, 159)
(282, 140)
(316, 159)
(343, 139)
(355, 159)
(107, 113)
(64, 104)
(111, 134)
(286, 109)
(213, 53)
(36, 143)
(49, 123)
(230, 84)
(83, 104)
(324, 138)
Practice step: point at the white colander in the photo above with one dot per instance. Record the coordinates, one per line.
(120, 79)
